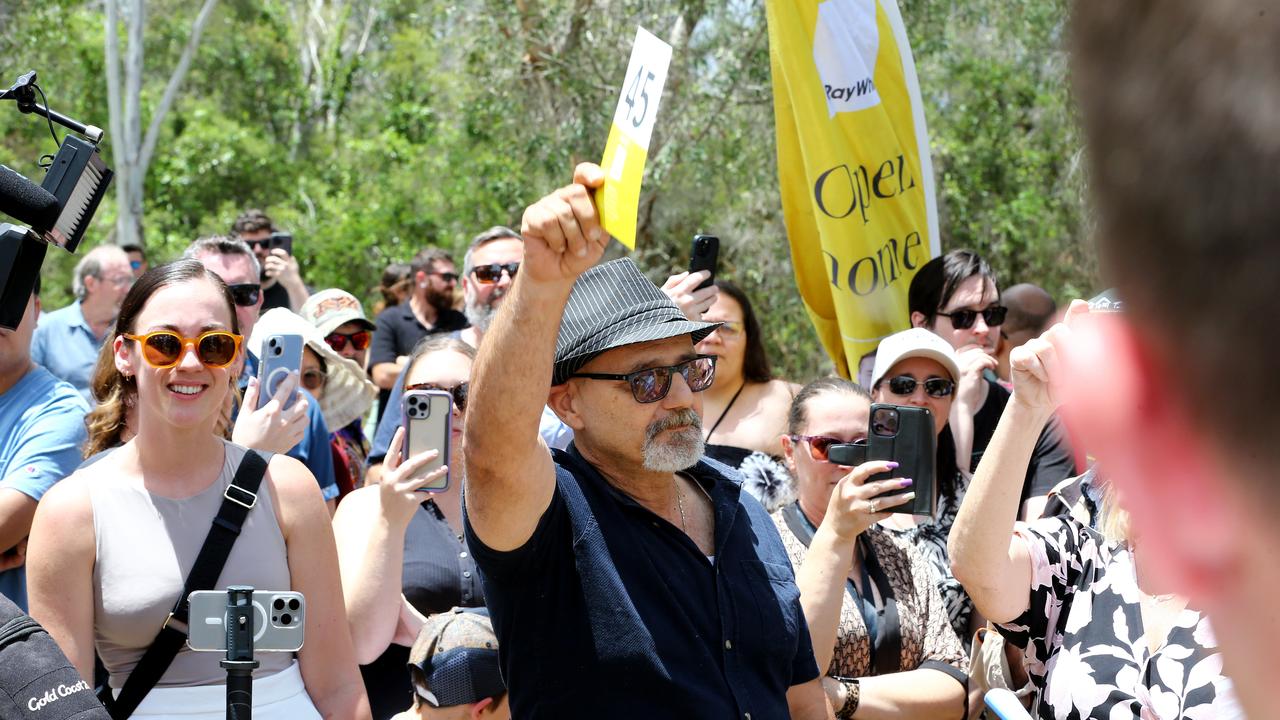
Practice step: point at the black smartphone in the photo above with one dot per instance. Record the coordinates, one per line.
(281, 240)
(903, 434)
(704, 256)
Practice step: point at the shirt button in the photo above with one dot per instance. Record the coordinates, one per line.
(466, 573)
(462, 554)
(728, 644)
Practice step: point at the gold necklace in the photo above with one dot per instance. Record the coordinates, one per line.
(680, 506)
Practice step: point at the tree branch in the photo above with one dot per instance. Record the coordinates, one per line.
(175, 82)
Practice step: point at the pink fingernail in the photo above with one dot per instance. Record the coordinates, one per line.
(893, 465)
(905, 482)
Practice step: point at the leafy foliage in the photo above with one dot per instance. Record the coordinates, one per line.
(370, 128)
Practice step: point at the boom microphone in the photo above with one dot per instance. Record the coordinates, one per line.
(27, 202)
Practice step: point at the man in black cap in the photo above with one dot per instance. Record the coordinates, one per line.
(627, 576)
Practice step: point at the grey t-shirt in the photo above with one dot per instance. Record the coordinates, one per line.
(146, 546)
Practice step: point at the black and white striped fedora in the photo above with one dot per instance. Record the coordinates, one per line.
(614, 304)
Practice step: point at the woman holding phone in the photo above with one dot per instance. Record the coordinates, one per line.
(876, 618)
(401, 549)
(111, 546)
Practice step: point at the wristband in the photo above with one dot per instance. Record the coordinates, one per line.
(852, 693)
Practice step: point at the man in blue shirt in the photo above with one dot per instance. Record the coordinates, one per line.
(67, 341)
(627, 577)
(41, 434)
(298, 430)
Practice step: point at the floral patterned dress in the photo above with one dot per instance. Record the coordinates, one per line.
(1083, 637)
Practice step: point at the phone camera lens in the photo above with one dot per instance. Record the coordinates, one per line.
(278, 604)
(286, 619)
(294, 604)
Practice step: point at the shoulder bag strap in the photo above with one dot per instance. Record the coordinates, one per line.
(237, 500)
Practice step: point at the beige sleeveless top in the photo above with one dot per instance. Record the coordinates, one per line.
(146, 545)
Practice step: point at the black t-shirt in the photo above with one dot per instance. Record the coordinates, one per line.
(1052, 460)
(398, 330)
(274, 297)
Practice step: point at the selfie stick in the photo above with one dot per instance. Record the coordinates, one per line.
(239, 663)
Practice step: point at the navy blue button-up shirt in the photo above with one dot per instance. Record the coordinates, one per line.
(610, 611)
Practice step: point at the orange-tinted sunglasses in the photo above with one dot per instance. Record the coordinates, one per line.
(164, 348)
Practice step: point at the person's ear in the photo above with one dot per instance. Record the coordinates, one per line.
(123, 358)
(919, 320)
(788, 453)
(420, 278)
(478, 709)
(1124, 405)
(563, 401)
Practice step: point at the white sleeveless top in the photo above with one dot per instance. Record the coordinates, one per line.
(146, 545)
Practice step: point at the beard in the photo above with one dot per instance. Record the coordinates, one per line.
(441, 300)
(681, 449)
(481, 314)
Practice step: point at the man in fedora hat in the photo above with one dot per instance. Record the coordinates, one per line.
(627, 576)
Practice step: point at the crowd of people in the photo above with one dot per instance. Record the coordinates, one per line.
(638, 517)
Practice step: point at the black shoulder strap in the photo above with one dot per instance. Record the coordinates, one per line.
(237, 500)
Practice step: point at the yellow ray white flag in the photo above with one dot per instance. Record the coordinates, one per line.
(853, 167)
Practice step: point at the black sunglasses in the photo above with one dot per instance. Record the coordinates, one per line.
(934, 387)
(652, 384)
(492, 273)
(458, 392)
(964, 319)
(245, 294)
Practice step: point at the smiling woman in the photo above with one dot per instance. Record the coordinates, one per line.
(109, 553)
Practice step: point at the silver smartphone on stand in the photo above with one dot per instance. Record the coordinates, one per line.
(278, 619)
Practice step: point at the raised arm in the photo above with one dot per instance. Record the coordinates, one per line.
(369, 528)
(510, 475)
(993, 567)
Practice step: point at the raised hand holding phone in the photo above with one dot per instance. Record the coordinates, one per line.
(857, 504)
(399, 492)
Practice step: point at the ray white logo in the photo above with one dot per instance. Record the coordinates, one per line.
(54, 694)
(845, 45)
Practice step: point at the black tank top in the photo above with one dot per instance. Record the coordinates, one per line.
(439, 574)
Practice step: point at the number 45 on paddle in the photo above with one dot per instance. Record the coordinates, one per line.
(628, 146)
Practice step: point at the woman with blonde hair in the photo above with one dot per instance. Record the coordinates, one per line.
(112, 545)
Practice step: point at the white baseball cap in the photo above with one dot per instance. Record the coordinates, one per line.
(916, 342)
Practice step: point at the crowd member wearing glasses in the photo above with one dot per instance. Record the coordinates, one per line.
(746, 407)
(429, 311)
(41, 431)
(282, 284)
(340, 319)
(338, 384)
(298, 430)
(627, 558)
(401, 549)
(1103, 638)
(878, 623)
(956, 297)
(67, 341)
(916, 367)
(109, 555)
(455, 671)
(137, 259)
(490, 266)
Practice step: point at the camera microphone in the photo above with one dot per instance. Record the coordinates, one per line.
(27, 202)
